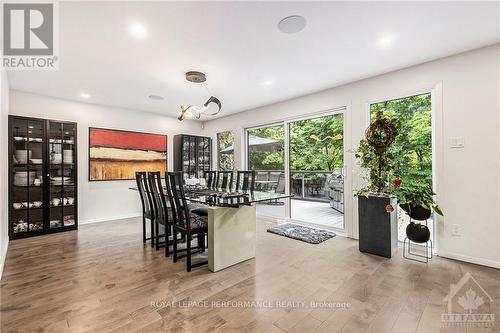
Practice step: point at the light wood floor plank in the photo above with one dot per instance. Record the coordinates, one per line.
(103, 279)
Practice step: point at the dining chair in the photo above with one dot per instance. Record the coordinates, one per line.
(184, 222)
(147, 204)
(211, 178)
(245, 180)
(225, 180)
(161, 211)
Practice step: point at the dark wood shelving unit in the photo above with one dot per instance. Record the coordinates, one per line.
(192, 155)
(52, 181)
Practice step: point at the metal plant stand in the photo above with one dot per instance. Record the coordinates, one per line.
(423, 258)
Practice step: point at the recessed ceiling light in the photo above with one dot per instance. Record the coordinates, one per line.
(156, 97)
(267, 82)
(385, 41)
(137, 30)
(292, 24)
(84, 95)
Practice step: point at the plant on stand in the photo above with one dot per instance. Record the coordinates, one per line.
(377, 218)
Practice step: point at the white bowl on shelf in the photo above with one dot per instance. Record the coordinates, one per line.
(22, 156)
(36, 160)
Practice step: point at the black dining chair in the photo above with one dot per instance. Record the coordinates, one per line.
(147, 204)
(161, 211)
(245, 180)
(184, 222)
(225, 180)
(211, 178)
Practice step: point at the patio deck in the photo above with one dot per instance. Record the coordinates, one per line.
(318, 213)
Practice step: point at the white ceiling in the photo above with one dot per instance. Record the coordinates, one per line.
(239, 48)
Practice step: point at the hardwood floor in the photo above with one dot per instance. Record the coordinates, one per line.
(103, 279)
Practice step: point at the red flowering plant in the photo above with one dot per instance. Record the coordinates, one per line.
(412, 193)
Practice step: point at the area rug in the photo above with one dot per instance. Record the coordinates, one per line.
(305, 234)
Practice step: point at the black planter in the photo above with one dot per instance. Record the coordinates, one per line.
(378, 229)
(417, 212)
(418, 233)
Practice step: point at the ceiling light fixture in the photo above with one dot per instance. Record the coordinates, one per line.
(206, 109)
(267, 82)
(156, 97)
(385, 41)
(292, 24)
(138, 30)
(84, 95)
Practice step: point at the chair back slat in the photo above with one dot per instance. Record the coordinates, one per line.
(245, 180)
(211, 178)
(146, 197)
(159, 201)
(225, 180)
(177, 197)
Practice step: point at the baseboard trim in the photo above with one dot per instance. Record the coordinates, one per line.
(109, 218)
(469, 259)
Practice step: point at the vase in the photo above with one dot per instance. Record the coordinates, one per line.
(418, 233)
(417, 212)
(378, 229)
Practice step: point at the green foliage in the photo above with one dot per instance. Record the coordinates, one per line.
(315, 145)
(268, 159)
(412, 149)
(411, 152)
(376, 154)
(224, 140)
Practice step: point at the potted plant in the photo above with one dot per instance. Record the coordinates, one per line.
(417, 200)
(377, 217)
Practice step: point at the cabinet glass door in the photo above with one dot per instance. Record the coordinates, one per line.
(27, 195)
(62, 172)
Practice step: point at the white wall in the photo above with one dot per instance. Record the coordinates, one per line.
(467, 104)
(107, 200)
(4, 110)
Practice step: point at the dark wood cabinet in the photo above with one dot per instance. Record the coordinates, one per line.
(192, 155)
(43, 177)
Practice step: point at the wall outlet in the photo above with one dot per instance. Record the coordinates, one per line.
(455, 230)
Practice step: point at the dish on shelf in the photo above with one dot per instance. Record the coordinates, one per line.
(55, 140)
(55, 223)
(24, 178)
(37, 204)
(69, 141)
(20, 226)
(17, 205)
(19, 138)
(35, 227)
(69, 220)
(55, 202)
(36, 160)
(22, 156)
(35, 139)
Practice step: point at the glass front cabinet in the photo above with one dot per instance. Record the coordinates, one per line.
(42, 176)
(192, 155)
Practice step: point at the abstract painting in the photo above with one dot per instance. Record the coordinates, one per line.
(117, 155)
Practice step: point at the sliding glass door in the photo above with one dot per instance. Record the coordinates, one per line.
(266, 155)
(316, 160)
(303, 157)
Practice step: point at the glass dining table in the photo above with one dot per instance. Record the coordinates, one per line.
(220, 198)
(232, 223)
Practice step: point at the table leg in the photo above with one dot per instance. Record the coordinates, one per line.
(231, 236)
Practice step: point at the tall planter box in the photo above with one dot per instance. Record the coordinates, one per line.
(378, 230)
